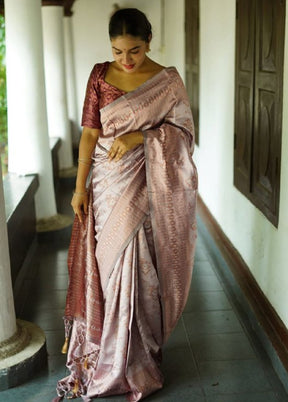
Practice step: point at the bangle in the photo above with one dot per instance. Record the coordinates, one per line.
(85, 159)
(80, 193)
(87, 162)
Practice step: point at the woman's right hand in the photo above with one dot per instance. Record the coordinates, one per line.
(125, 143)
(79, 204)
(87, 145)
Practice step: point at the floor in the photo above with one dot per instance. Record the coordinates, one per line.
(211, 356)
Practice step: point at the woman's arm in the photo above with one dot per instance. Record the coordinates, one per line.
(87, 145)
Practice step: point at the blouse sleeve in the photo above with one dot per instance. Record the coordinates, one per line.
(90, 113)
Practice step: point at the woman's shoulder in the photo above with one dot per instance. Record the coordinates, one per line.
(173, 75)
(153, 67)
(99, 70)
(171, 71)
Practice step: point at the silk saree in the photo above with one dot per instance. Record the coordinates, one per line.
(130, 263)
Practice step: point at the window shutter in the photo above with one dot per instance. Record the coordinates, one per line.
(245, 39)
(268, 105)
(260, 26)
(192, 58)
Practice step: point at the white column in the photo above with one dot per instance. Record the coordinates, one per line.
(70, 80)
(22, 344)
(7, 312)
(28, 139)
(55, 78)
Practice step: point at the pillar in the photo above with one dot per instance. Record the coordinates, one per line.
(55, 78)
(70, 78)
(7, 311)
(22, 344)
(28, 140)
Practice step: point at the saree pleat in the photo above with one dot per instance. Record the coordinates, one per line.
(129, 282)
(173, 230)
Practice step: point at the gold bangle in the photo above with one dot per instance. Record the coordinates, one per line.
(80, 193)
(83, 161)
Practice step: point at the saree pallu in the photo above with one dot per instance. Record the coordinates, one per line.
(130, 263)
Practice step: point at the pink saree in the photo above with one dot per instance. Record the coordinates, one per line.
(130, 263)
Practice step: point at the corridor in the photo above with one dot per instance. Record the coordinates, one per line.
(211, 356)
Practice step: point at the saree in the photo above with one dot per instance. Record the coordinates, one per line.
(130, 263)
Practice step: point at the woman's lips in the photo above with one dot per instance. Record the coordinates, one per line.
(129, 66)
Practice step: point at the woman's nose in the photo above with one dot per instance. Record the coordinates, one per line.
(126, 58)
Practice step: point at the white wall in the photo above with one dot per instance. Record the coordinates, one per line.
(174, 28)
(261, 245)
(258, 241)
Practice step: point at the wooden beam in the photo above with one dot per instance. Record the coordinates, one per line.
(68, 8)
(67, 4)
(53, 2)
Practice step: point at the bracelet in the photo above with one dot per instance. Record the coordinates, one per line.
(84, 161)
(79, 193)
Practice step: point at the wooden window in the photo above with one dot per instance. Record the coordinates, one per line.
(258, 102)
(192, 59)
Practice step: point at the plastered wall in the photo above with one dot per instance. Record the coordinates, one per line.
(261, 245)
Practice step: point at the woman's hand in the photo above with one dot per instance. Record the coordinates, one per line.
(79, 204)
(87, 145)
(123, 144)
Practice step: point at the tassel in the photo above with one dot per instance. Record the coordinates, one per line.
(86, 363)
(76, 388)
(74, 392)
(65, 346)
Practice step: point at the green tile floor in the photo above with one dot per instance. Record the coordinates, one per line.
(211, 356)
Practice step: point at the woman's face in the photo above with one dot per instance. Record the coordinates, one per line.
(129, 52)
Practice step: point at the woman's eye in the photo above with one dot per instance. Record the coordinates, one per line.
(135, 52)
(117, 53)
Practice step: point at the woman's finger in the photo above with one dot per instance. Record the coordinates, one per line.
(77, 209)
(112, 153)
(78, 212)
(85, 207)
(119, 155)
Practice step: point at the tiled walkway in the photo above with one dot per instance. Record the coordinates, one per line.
(210, 357)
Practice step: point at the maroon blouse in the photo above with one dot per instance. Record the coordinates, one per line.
(98, 94)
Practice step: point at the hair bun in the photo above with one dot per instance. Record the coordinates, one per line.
(130, 21)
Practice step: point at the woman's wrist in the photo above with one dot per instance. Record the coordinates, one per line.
(80, 192)
(140, 137)
(85, 161)
(80, 187)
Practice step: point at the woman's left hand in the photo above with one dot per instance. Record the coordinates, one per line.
(123, 144)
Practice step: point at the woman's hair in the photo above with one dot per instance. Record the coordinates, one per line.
(130, 21)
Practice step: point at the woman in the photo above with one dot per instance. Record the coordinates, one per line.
(132, 247)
